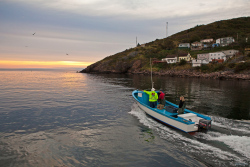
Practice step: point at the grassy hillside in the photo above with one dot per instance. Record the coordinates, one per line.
(238, 28)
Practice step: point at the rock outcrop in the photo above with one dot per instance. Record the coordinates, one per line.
(121, 65)
(135, 68)
(226, 75)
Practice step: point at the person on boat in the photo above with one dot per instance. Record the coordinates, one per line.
(182, 105)
(153, 97)
(161, 98)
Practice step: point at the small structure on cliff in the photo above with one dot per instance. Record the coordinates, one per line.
(170, 59)
(185, 56)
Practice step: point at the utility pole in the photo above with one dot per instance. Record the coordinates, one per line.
(166, 29)
(136, 42)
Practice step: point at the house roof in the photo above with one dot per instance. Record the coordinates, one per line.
(183, 55)
(209, 39)
(184, 44)
(171, 56)
(216, 52)
(225, 38)
(203, 54)
(196, 42)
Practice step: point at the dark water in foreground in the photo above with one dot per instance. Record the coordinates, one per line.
(59, 118)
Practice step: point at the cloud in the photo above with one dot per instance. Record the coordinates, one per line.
(99, 28)
(142, 9)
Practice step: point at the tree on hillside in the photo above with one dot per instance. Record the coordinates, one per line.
(167, 44)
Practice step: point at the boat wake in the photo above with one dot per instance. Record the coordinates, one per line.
(227, 144)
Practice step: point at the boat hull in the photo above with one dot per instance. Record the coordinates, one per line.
(187, 122)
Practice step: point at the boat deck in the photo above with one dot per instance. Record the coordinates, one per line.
(166, 113)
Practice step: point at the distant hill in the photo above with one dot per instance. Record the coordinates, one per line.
(136, 60)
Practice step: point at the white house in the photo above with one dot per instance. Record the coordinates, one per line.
(217, 55)
(203, 56)
(207, 40)
(170, 59)
(225, 41)
(198, 63)
(196, 46)
(184, 45)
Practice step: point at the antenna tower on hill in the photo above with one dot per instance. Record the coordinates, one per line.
(166, 29)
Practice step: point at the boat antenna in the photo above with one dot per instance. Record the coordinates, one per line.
(151, 74)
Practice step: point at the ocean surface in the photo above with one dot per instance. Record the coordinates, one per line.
(60, 118)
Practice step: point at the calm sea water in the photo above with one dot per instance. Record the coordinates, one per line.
(63, 118)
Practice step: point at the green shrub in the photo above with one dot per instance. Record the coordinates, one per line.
(242, 66)
(204, 68)
(231, 65)
(218, 67)
(161, 65)
(182, 62)
(197, 68)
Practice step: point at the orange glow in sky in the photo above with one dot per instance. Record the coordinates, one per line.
(43, 64)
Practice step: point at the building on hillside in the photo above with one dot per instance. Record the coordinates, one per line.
(207, 40)
(184, 45)
(217, 55)
(198, 63)
(203, 56)
(170, 59)
(225, 41)
(247, 51)
(231, 53)
(215, 45)
(196, 46)
(207, 46)
(186, 57)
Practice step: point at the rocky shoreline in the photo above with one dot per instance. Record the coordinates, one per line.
(223, 75)
(135, 69)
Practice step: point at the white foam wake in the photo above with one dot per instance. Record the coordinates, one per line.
(240, 144)
(231, 125)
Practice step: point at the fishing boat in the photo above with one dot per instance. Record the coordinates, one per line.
(188, 122)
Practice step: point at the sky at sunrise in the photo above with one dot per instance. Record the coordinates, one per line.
(77, 33)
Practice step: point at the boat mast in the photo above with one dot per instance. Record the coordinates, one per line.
(151, 74)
